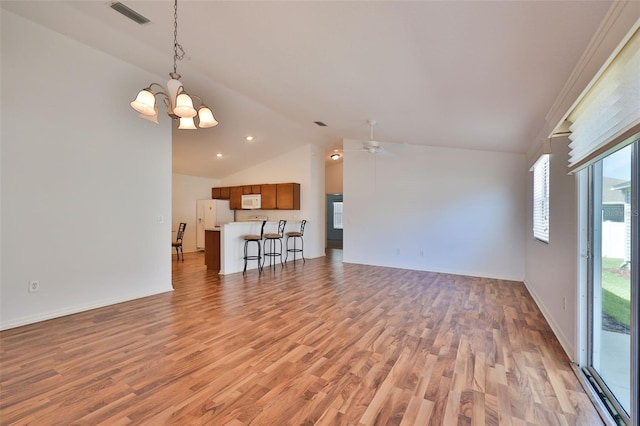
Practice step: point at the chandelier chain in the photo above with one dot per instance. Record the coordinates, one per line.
(178, 51)
(180, 105)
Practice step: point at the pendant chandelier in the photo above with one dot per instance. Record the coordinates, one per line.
(178, 102)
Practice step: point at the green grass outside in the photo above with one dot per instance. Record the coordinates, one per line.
(616, 292)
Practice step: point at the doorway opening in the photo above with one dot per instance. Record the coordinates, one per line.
(334, 221)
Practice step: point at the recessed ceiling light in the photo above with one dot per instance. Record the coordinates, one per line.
(249, 138)
(219, 155)
(335, 157)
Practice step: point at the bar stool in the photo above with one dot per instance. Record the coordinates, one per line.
(272, 238)
(256, 239)
(295, 235)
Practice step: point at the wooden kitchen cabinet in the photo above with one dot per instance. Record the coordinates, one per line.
(235, 198)
(275, 196)
(251, 189)
(212, 250)
(269, 196)
(221, 193)
(287, 196)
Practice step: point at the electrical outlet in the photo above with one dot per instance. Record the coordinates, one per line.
(397, 252)
(422, 253)
(34, 285)
(564, 303)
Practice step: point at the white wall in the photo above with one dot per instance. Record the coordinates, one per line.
(86, 198)
(333, 178)
(550, 269)
(305, 166)
(185, 191)
(556, 270)
(436, 209)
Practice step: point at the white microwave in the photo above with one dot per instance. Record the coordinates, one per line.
(253, 201)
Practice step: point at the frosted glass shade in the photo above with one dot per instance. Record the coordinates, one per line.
(184, 106)
(152, 118)
(206, 118)
(187, 123)
(179, 105)
(144, 103)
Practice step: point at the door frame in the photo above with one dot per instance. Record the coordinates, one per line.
(330, 199)
(589, 250)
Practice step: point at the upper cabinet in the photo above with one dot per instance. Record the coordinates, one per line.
(269, 196)
(235, 200)
(275, 196)
(220, 193)
(288, 196)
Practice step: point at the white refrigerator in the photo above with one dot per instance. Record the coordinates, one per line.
(210, 213)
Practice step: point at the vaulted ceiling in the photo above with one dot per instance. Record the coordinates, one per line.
(463, 74)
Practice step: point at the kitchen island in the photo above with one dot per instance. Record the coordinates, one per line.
(231, 244)
(212, 249)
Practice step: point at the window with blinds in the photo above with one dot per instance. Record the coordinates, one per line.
(337, 215)
(541, 198)
(608, 115)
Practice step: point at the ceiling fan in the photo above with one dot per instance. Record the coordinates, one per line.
(372, 146)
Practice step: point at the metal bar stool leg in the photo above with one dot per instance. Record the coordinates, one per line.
(246, 244)
(295, 248)
(256, 239)
(248, 257)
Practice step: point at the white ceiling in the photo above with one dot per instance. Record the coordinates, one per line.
(465, 74)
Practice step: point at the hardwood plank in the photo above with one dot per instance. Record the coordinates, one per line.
(321, 343)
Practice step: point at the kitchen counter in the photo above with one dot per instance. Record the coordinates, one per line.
(232, 243)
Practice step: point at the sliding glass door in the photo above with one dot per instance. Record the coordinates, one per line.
(613, 226)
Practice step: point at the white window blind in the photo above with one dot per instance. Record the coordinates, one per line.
(609, 113)
(337, 215)
(541, 198)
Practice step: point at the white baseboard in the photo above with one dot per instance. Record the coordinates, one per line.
(18, 322)
(464, 273)
(564, 342)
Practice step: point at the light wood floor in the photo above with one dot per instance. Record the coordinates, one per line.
(318, 343)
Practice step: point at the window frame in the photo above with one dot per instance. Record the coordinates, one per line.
(337, 214)
(541, 197)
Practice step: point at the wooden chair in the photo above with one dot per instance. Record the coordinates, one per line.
(178, 242)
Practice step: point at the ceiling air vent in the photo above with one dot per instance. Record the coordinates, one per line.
(320, 123)
(129, 13)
